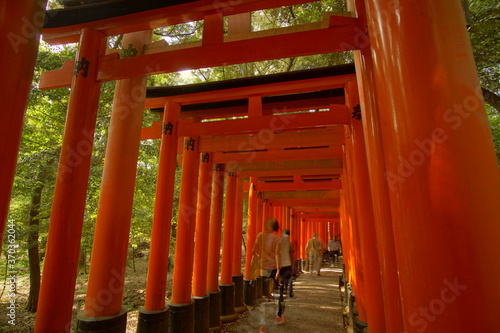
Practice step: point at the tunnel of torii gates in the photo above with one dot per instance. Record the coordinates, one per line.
(397, 159)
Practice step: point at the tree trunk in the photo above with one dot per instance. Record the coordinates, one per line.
(33, 251)
(492, 99)
(82, 261)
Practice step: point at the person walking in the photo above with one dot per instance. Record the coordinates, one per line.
(314, 250)
(268, 246)
(285, 274)
(334, 250)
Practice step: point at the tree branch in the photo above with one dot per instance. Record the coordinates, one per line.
(492, 99)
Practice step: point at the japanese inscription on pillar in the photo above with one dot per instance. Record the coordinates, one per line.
(168, 128)
(189, 144)
(356, 114)
(205, 157)
(82, 66)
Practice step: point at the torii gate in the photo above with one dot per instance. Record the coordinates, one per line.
(413, 189)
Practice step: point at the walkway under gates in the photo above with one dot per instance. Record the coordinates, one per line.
(315, 308)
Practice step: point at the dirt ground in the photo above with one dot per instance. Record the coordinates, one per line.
(316, 307)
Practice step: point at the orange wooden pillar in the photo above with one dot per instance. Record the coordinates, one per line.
(380, 193)
(301, 238)
(279, 213)
(110, 247)
(181, 307)
(63, 245)
(200, 296)
(239, 304)
(357, 273)
(294, 229)
(329, 226)
(263, 207)
(249, 290)
(346, 240)
(156, 285)
(365, 220)
(323, 234)
(214, 246)
(307, 236)
(442, 171)
(226, 285)
(20, 25)
(288, 220)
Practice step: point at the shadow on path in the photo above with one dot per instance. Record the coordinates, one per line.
(315, 308)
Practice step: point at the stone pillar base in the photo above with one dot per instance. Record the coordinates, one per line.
(153, 321)
(227, 311)
(108, 324)
(181, 317)
(201, 314)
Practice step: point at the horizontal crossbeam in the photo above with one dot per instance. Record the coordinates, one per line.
(279, 155)
(267, 125)
(305, 203)
(322, 185)
(64, 25)
(320, 41)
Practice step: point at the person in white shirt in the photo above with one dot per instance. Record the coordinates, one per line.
(334, 250)
(285, 273)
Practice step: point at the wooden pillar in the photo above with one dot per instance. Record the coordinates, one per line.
(249, 285)
(20, 26)
(293, 227)
(346, 239)
(441, 165)
(307, 235)
(352, 213)
(202, 226)
(227, 245)
(287, 218)
(214, 246)
(280, 215)
(226, 283)
(160, 234)
(305, 238)
(184, 244)
(63, 245)
(301, 238)
(156, 285)
(200, 296)
(214, 241)
(237, 275)
(251, 225)
(262, 211)
(378, 183)
(322, 233)
(110, 247)
(238, 227)
(365, 220)
(181, 306)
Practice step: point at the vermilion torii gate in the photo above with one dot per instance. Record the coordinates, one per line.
(409, 169)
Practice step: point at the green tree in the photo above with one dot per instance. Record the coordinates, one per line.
(484, 20)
